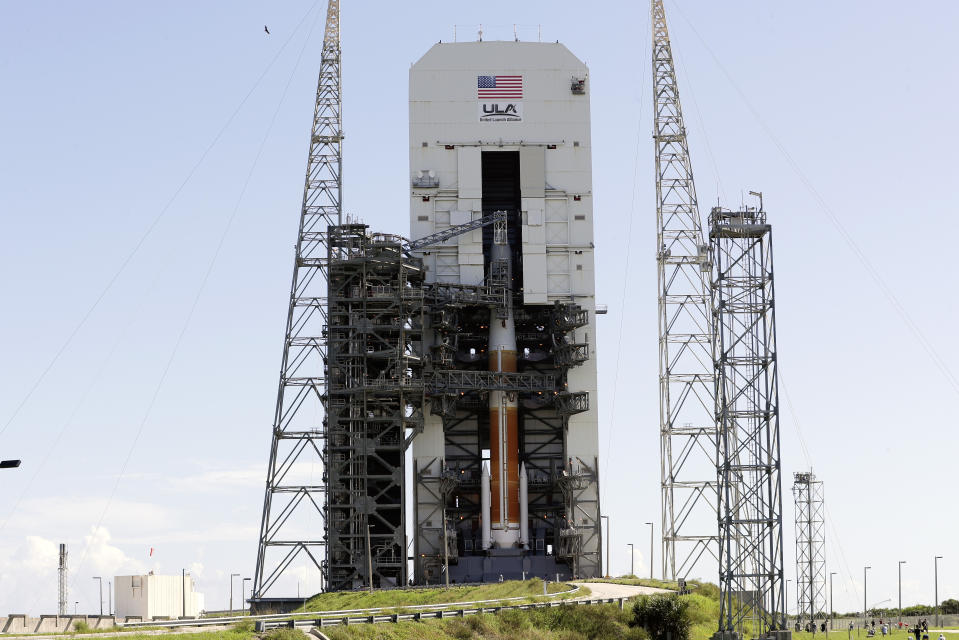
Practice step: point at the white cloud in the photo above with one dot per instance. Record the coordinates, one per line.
(28, 573)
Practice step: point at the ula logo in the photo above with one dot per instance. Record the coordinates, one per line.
(496, 112)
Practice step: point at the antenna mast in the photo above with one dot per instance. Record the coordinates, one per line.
(688, 434)
(295, 484)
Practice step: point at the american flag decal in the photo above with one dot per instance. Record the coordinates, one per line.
(499, 87)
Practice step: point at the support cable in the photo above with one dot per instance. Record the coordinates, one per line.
(870, 269)
(149, 230)
(196, 300)
(854, 247)
(629, 246)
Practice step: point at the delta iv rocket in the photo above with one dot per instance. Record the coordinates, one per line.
(507, 516)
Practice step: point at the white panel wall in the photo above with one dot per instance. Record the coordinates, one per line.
(153, 596)
(553, 138)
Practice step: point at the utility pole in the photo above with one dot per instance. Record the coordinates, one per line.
(301, 392)
(100, 580)
(901, 562)
(865, 612)
(632, 556)
(650, 550)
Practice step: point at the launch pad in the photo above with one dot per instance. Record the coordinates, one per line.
(454, 371)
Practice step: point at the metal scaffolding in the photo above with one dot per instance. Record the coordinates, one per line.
(810, 549)
(563, 512)
(293, 514)
(751, 582)
(376, 394)
(687, 424)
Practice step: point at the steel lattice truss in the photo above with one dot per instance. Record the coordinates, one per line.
(687, 421)
(747, 412)
(810, 548)
(295, 489)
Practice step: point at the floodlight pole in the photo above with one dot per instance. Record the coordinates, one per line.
(864, 589)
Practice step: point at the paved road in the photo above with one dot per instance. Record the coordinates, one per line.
(610, 590)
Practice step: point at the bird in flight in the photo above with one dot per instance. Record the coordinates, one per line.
(267, 30)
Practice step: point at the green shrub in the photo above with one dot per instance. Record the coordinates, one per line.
(80, 626)
(706, 589)
(514, 620)
(664, 617)
(284, 634)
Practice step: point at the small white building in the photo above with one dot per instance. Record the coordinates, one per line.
(152, 596)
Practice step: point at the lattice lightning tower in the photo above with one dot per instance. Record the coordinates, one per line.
(686, 406)
(751, 586)
(62, 595)
(810, 547)
(295, 487)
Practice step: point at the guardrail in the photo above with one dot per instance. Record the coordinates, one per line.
(283, 619)
(419, 616)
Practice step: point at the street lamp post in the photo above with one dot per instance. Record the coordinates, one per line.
(936, 563)
(831, 609)
(632, 571)
(109, 598)
(650, 550)
(98, 578)
(901, 562)
(232, 575)
(607, 544)
(864, 607)
(243, 590)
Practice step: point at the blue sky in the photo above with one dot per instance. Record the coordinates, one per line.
(137, 437)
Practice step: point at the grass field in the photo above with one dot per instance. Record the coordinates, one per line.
(410, 597)
(640, 582)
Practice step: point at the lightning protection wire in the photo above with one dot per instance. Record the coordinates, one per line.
(150, 229)
(629, 246)
(206, 277)
(851, 244)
